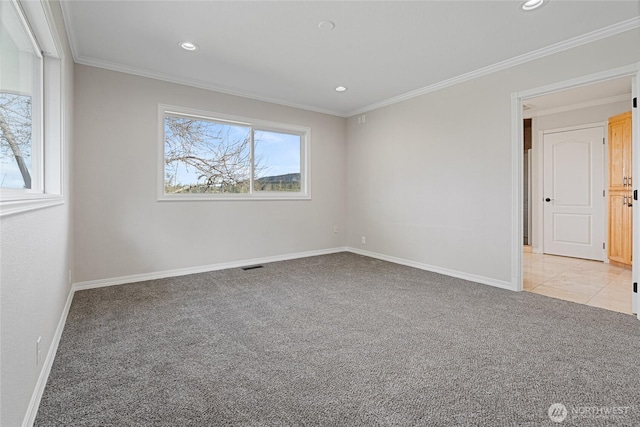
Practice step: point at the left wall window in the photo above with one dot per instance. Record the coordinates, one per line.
(20, 103)
(30, 108)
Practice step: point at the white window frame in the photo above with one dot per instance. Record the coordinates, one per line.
(255, 125)
(48, 187)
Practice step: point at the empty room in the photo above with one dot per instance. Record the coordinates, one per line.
(314, 212)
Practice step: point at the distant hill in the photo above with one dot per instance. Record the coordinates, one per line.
(289, 178)
(288, 182)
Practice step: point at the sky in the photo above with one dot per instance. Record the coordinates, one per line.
(279, 152)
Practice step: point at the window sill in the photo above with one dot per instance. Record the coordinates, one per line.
(11, 207)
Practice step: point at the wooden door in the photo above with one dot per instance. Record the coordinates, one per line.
(620, 152)
(620, 227)
(620, 248)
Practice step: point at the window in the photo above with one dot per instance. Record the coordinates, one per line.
(20, 103)
(214, 156)
(30, 108)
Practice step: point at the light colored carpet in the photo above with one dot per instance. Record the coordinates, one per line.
(337, 340)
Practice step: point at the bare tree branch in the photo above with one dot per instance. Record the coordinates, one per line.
(219, 154)
(15, 124)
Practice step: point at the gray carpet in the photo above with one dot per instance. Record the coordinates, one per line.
(338, 340)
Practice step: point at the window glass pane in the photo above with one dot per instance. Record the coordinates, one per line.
(20, 86)
(203, 156)
(277, 160)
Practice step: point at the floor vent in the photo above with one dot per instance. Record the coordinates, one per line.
(251, 267)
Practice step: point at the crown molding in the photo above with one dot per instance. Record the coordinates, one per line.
(198, 84)
(583, 39)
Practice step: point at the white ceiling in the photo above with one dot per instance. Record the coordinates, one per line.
(379, 50)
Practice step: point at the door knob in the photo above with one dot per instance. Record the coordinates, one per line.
(548, 199)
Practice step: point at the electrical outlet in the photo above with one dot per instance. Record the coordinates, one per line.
(335, 229)
(38, 353)
(364, 240)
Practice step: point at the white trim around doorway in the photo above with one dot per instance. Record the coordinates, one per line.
(517, 155)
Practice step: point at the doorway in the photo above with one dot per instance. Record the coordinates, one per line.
(569, 275)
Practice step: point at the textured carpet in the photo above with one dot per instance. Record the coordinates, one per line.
(338, 340)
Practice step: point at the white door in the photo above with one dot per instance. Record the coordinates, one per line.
(573, 193)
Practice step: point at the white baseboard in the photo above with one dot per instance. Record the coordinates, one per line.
(502, 284)
(91, 284)
(34, 404)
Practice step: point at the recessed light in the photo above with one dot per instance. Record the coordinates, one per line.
(532, 4)
(188, 46)
(327, 25)
(341, 89)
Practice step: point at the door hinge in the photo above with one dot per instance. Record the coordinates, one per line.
(635, 287)
(602, 193)
(602, 141)
(635, 102)
(602, 245)
(635, 194)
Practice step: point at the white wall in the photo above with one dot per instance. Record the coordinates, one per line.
(430, 177)
(121, 229)
(582, 116)
(35, 254)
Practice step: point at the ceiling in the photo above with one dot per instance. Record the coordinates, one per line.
(275, 51)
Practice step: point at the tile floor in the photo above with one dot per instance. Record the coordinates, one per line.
(586, 282)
